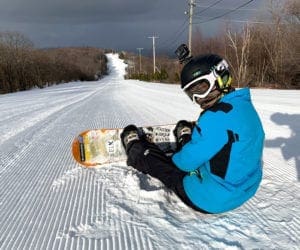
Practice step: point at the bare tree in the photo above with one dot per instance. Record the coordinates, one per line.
(241, 48)
(15, 55)
(292, 9)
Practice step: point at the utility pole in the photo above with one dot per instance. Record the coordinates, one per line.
(153, 45)
(140, 49)
(192, 5)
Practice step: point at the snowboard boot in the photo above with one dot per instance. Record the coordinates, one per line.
(183, 133)
(129, 134)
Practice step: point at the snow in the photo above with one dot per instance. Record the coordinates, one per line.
(47, 201)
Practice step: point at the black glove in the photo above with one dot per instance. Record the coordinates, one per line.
(183, 133)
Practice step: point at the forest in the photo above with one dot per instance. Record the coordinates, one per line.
(23, 67)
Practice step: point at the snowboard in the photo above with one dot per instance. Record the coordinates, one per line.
(97, 147)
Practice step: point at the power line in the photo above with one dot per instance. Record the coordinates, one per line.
(183, 28)
(244, 9)
(208, 7)
(172, 41)
(174, 38)
(226, 13)
(248, 21)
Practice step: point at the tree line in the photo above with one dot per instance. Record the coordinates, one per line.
(24, 67)
(261, 54)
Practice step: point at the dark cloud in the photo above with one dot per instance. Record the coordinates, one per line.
(77, 11)
(119, 24)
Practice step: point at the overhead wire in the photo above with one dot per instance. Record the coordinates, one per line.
(208, 7)
(174, 38)
(224, 14)
(170, 43)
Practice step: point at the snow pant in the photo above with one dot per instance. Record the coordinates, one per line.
(147, 158)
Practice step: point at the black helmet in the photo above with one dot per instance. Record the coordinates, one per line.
(210, 68)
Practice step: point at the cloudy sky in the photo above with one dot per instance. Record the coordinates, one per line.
(118, 24)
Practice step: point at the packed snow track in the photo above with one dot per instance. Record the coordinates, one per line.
(47, 201)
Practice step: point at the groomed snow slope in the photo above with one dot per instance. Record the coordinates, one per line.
(47, 201)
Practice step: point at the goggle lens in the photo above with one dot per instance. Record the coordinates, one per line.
(198, 88)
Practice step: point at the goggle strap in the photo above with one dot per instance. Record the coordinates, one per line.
(224, 86)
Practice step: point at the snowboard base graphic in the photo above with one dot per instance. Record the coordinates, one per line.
(96, 147)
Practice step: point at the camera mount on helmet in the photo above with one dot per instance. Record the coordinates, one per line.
(183, 53)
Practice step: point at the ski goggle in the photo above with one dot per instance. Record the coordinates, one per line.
(203, 85)
(200, 87)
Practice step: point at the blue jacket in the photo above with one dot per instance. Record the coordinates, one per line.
(224, 157)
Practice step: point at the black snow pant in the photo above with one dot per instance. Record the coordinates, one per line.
(147, 158)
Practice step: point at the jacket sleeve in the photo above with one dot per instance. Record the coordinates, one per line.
(208, 137)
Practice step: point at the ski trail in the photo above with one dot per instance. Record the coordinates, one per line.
(30, 129)
(38, 146)
(47, 201)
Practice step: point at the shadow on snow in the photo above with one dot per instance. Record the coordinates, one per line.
(289, 145)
